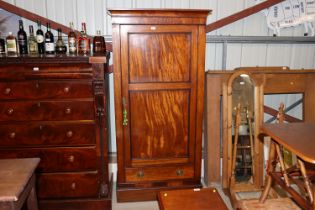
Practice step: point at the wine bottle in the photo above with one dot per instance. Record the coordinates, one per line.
(60, 45)
(84, 41)
(22, 39)
(99, 43)
(32, 44)
(2, 45)
(40, 38)
(72, 40)
(49, 41)
(11, 44)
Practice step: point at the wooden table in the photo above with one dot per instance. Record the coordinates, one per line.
(299, 138)
(189, 199)
(17, 183)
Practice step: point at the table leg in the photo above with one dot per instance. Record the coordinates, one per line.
(270, 168)
(32, 198)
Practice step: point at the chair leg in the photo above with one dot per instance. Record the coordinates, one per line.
(306, 180)
(270, 168)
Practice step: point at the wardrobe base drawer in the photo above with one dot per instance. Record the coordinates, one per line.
(159, 173)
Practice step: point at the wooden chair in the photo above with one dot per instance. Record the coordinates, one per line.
(17, 183)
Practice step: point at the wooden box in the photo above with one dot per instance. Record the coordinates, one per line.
(188, 199)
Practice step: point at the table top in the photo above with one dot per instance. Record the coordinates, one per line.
(14, 176)
(189, 199)
(298, 138)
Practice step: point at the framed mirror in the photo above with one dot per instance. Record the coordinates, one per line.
(243, 158)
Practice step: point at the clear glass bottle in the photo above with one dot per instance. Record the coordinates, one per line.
(49, 41)
(84, 41)
(99, 46)
(22, 39)
(11, 44)
(72, 40)
(32, 43)
(60, 45)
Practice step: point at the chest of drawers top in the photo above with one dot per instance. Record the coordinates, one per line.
(19, 68)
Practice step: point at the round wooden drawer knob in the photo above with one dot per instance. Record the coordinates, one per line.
(73, 186)
(66, 89)
(10, 111)
(12, 135)
(179, 172)
(7, 91)
(140, 174)
(68, 111)
(71, 158)
(69, 134)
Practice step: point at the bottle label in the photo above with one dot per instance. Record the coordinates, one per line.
(39, 38)
(32, 46)
(22, 42)
(72, 45)
(84, 46)
(50, 47)
(11, 45)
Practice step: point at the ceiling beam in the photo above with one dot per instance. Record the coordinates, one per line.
(240, 15)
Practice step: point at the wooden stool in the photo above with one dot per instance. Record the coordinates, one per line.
(188, 199)
(17, 183)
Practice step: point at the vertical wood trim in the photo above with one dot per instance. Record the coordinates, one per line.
(117, 97)
(212, 130)
(309, 98)
(200, 96)
(225, 139)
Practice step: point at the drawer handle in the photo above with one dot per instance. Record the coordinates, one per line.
(37, 85)
(73, 186)
(10, 111)
(12, 135)
(66, 89)
(125, 113)
(140, 174)
(7, 91)
(179, 172)
(71, 158)
(35, 68)
(69, 134)
(68, 111)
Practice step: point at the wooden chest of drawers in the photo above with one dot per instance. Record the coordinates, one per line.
(55, 108)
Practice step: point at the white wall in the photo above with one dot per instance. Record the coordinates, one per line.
(94, 13)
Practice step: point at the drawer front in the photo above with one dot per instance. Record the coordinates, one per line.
(159, 173)
(36, 134)
(47, 110)
(70, 185)
(29, 71)
(45, 90)
(57, 159)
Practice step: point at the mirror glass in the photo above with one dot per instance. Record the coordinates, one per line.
(243, 100)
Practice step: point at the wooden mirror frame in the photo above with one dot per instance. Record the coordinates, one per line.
(227, 128)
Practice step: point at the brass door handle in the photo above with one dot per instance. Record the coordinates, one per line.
(125, 113)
